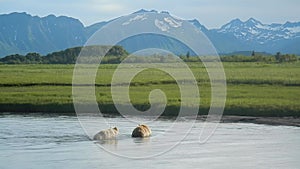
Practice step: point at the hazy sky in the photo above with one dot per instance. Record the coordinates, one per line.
(211, 13)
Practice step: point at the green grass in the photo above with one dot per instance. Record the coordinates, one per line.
(255, 89)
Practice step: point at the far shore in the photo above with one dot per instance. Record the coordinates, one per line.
(274, 121)
(285, 121)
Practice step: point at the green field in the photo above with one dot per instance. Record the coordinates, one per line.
(255, 89)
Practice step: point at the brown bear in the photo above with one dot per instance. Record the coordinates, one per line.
(141, 130)
(107, 134)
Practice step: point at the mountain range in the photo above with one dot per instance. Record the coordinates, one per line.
(22, 33)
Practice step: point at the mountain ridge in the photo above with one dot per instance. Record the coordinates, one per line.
(22, 33)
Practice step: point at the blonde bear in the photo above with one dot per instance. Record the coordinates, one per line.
(141, 130)
(107, 134)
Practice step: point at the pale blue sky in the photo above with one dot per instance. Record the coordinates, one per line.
(211, 13)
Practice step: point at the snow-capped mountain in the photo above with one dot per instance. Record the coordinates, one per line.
(262, 33)
(153, 21)
(22, 33)
(254, 35)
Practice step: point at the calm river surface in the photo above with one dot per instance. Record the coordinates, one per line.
(39, 142)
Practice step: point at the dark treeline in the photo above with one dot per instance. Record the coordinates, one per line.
(68, 56)
(117, 54)
(278, 58)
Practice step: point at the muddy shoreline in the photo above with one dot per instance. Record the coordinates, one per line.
(275, 121)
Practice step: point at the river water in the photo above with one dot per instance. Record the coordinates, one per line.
(39, 142)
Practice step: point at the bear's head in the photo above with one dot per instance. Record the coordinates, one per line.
(116, 129)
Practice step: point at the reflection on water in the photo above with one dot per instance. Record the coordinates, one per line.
(60, 142)
(141, 140)
(108, 141)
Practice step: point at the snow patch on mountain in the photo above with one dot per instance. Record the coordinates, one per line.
(167, 23)
(294, 29)
(163, 26)
(172, 22)
(136, 18)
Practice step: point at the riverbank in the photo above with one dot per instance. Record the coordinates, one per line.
(284, 121)
(274, 121)
(170, 111)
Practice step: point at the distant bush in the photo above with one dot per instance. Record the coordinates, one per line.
(285, 58)
(261, 58)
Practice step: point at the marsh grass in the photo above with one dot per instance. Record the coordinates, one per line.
(256, 89)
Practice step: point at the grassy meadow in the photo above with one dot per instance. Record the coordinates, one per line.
(253, 88)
